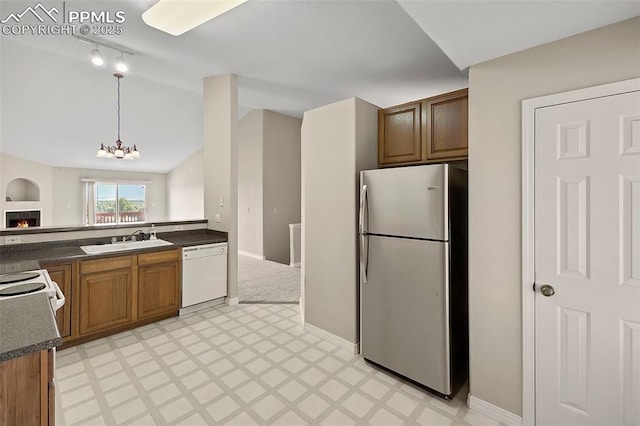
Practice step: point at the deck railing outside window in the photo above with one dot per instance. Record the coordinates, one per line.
(125, 217)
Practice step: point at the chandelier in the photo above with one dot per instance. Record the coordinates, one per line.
(119, 150)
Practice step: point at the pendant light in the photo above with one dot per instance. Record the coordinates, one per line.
(119, 150)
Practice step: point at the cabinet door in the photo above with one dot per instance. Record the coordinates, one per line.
(24, 391)
(50, 403)
(61, 274)
(105, 300)
(158, 289)
(445, 125)
(399, 135)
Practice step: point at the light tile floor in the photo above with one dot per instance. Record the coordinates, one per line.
(237, 365)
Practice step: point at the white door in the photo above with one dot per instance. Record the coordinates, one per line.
(587, 248)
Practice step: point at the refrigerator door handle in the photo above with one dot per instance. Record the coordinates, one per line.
(363, 206)
(364, 256)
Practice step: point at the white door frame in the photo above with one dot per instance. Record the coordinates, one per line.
(529, 107)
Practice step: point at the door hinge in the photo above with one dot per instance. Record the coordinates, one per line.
(533, 287)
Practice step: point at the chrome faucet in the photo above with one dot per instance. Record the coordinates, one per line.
(132, 236)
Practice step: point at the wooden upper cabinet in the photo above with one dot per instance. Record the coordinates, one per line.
(446, 129)
(61, 274)
(428, 131)
(399, 134)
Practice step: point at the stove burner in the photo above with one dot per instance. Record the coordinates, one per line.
(19, 277)
(22, 289)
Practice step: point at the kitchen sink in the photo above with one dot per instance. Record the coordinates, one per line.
(129, 245)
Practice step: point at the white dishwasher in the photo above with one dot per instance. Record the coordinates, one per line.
(204, 273)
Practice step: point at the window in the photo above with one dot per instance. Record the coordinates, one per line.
(114, 203)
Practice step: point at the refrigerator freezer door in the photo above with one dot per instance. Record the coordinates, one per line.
(407, 201)
(405, 309)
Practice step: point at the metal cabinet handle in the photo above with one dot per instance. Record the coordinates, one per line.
(547, 290)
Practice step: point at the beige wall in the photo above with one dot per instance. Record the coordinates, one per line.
(496, 89)
(185, 189)
(281, 173)
(337, 141)
(250, 183)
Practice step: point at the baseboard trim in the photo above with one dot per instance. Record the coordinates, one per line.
(493, 411)
(255, 256)
(295, 265)
(332, 338)
(203, 305)
(233, 300)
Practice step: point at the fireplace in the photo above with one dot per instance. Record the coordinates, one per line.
(22, 219)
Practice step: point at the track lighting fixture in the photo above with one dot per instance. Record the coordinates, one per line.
(96, 57)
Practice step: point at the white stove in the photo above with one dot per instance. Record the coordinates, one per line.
(31, 282)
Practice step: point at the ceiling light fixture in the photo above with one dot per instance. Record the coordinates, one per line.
(176, 17)
(121, 64)
(119, 150)
(96, 57)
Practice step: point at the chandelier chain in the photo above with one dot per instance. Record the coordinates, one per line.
(118, 108)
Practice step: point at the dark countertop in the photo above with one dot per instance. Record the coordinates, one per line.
(27, 325)
(101, 227)
(185, 239)
(25, 257)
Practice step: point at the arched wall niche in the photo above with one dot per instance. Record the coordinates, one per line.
(21, 189)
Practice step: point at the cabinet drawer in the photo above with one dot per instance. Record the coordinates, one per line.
(159, 257)
(110, 263)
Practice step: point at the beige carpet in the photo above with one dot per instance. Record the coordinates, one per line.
(263, 281)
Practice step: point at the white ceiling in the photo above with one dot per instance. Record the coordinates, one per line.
(474, 31)
(292, 56)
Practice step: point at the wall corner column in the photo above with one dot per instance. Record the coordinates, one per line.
(220, 154)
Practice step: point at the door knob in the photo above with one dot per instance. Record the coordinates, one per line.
(547, 290)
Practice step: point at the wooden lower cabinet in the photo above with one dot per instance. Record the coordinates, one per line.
(105, 300)
(118, 293)
(158, 283)
(27, 393)
(63, 276)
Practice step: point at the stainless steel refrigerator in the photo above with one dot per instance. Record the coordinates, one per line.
(413, 273)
